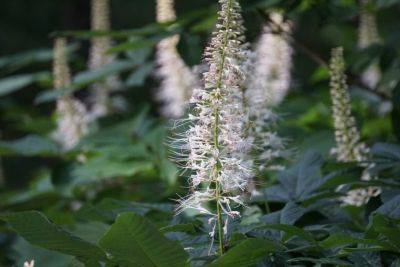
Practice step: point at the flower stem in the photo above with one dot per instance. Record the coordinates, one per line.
(219, 222)
(216, 133)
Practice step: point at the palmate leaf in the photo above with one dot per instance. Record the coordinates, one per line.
(133, 241)
(248, 253)
(39, 231)
(302, 182)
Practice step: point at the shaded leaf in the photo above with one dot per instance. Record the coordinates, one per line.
(39, 231)
(31, 145)
(133, 241)
(247, 253)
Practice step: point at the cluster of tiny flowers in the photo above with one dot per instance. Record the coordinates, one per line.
(268, 80)
(273, 61)
(72, 122)
(100, 21)
(368, 35)
(177, 80)
(349, 147)
(215, 143)
(29, 263)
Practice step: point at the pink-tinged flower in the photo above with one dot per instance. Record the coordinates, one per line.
(215, 146)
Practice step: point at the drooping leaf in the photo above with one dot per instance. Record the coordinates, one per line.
(14, 83)
(133, 241)
(85, 78)
(31, 145)
(39, 231)
(42, 257)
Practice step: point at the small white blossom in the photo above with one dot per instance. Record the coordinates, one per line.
(368, 35)
(72, 121)
(29, 263)
(215, 143)
(177, 80)
(98, 58)
(349, 148)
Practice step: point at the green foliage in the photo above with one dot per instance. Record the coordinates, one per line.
(110, 200)
(133, 241)
(36, 229)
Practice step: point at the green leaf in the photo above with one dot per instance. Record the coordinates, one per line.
(342, 240)
(386, 3)
(133, 241)
(14, 83)
(247, 253)
(291, 231)
(334, 261)
(14, 62)
(396, 111)
(388, 228)
(138, 77)
(43, 257)
(85, 78)
(183, 228)
(291, 213)
(39, 231)
(391, 208)
(31, 145)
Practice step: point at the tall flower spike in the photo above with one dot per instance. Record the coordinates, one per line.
(100, 21)
(268, 81)
(273, 61)
(177, 80)
(215, 143)
(368, 35)
(349, 148)
(71, 113)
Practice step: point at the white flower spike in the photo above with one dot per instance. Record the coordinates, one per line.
(215, 143)
(177, 80)
(368, 35)
(98, 58)
(268, 80)
(72, 121)
(349, 148)
(272, 61)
